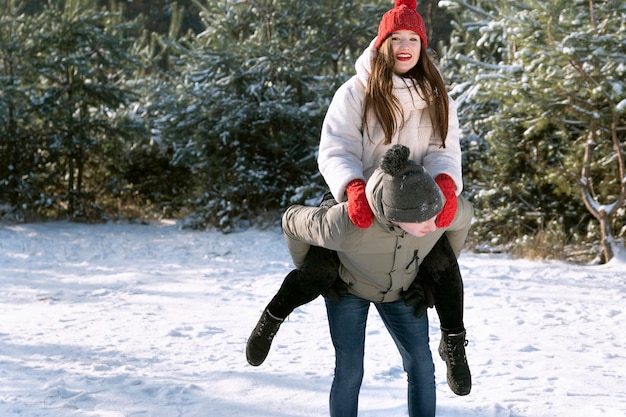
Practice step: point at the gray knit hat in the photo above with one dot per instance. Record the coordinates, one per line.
(410, 195)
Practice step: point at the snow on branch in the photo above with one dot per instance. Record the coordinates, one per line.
(511, 69)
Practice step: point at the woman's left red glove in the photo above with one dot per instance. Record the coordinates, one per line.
(448, 188)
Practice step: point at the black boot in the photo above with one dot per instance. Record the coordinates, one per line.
(452, 351)
(260, 340)
(441, 274)
(299, 287)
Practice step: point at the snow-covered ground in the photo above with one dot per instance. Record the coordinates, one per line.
(131, 320)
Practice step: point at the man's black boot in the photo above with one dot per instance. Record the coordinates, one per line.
(260, 340)
(452, 351)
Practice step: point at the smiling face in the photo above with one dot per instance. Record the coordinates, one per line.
(406, 46)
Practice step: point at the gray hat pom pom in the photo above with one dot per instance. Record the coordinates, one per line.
(395, 160)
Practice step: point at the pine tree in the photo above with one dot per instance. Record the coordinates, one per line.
(254, 88)
(555, 73)
(72, 62)
(19, 137)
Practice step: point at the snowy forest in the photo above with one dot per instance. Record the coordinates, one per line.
(210, 112)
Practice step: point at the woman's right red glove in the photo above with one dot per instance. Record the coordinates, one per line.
(359, 209)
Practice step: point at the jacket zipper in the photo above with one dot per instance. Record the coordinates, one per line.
(414, 259)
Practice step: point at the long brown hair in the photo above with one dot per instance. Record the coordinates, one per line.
(427, 81)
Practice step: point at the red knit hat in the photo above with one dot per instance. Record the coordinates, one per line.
(403, 16)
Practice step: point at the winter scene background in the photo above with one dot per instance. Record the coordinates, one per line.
(117, 320)
(111, 120)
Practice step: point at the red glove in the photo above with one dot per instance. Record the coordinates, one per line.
(359, 209)
(449, 209)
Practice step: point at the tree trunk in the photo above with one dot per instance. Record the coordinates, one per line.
(603, 212)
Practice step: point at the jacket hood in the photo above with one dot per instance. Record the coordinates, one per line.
(402, 87)
(374, 194)
(363, 64)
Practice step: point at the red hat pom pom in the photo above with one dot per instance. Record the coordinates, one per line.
(411, 4)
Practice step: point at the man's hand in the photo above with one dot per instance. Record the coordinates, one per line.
(336, 290)
(415, 296)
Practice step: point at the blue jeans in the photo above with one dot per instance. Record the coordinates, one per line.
(347, 320)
